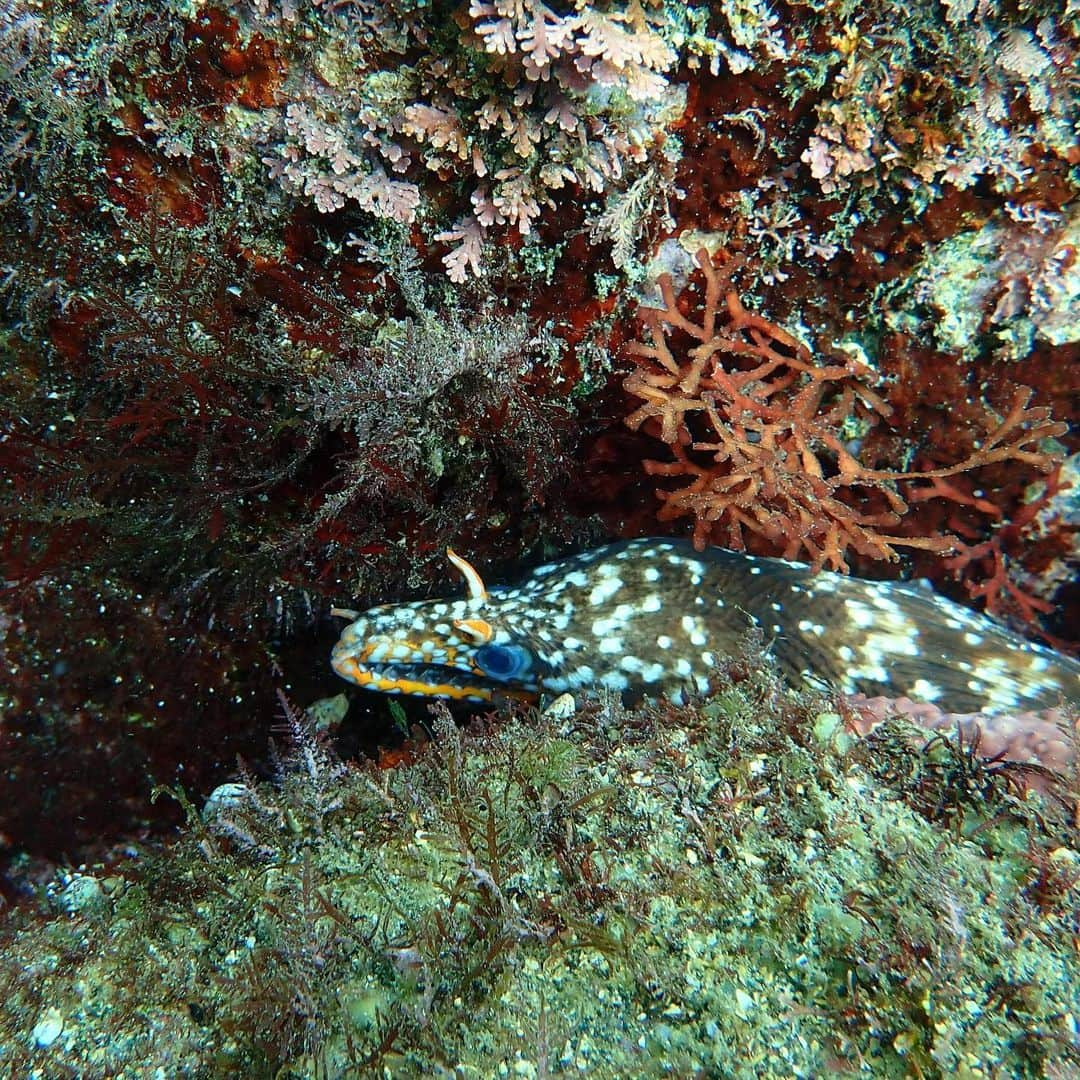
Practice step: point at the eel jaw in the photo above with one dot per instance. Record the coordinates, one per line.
(416, 675)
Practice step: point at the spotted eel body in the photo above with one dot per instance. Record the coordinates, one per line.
(653, 617)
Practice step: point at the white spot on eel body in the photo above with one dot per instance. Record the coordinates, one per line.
(653, 673)
(604, 591)
(927, 690)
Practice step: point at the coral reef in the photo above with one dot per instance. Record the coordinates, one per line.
(737, 887)
(520, 103)
(1016, 280)
(873, 129)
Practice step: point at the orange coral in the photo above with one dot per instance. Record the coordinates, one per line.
(755, 427)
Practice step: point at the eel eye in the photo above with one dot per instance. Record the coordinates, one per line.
(502, 661)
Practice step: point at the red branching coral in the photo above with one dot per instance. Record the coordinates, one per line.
(991, 569)
(760, 432)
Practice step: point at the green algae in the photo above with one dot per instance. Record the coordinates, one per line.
(734, 889)
(1009, 284)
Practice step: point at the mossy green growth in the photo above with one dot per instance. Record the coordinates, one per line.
(731, 889)
(953, 296)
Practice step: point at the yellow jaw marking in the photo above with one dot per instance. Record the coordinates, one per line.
(352, 670)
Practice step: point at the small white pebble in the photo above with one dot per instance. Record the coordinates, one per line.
(49, 1027)
(562, 708)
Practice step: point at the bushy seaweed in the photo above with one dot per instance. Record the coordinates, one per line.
(734, 889)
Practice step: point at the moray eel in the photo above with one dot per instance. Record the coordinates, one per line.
(654, 617)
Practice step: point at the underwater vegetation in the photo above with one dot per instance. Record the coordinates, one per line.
(732, 888)
(772, 414)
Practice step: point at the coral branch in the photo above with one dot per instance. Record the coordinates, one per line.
(755, 426)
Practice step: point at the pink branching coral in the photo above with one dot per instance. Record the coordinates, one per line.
(519, 107)
(757, 427)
